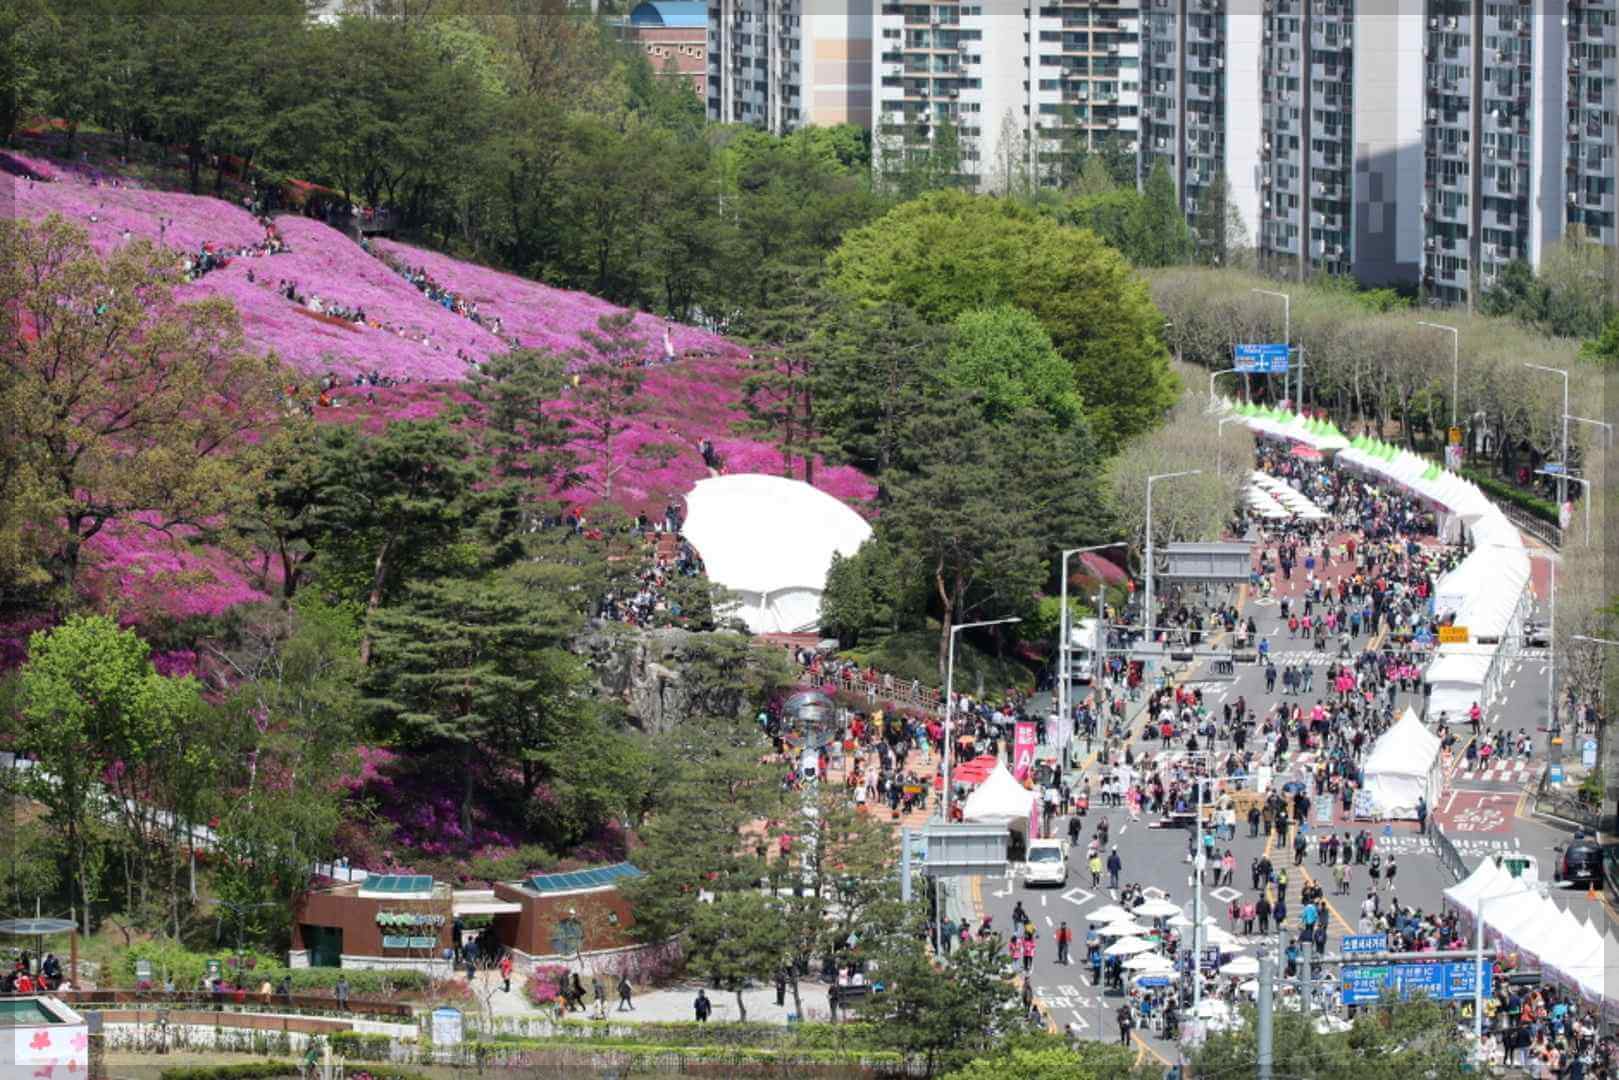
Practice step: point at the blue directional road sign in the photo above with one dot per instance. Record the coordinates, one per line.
(1441, 982)
(1262, 359)
(1364, 943)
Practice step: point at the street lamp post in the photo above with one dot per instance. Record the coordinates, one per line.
(1603, 424)
(1562, 484)
(1063, 630)
(1215, 374)
(950, 699)
(1146, 611)
(1287, 327)
(1455, 362)
(1219, 444)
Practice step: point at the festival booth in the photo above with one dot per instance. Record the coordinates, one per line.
(1524, 926)
(1402, 767)
(999, 800)
(1292, 502)
(1320, 435)
(770, 541)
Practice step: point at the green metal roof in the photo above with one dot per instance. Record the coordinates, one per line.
(595, 878)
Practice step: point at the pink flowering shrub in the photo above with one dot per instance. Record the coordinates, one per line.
(542, 983)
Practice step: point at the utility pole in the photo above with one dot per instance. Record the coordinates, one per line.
(1263, 1029)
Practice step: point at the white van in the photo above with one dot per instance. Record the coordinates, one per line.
(1046, 863)
(1082, 651)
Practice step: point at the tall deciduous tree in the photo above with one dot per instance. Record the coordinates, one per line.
(948, 252)
(123, 399)
(87, 689)
(943, 1016)
(1005, 356)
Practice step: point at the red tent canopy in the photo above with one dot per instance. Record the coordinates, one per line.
(975, 771)
(1308, 453)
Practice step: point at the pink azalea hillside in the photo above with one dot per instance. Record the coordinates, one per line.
(540, 316)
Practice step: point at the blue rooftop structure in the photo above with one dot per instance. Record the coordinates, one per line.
(675, 13)
(595, 878)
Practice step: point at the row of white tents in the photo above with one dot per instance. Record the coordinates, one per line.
(1521, 920)
(1273, 498)
(1488, 592)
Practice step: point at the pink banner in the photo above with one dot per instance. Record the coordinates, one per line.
(1023, 745)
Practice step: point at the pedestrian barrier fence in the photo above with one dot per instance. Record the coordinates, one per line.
(1449, 857)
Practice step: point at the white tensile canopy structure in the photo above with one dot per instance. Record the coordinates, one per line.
(999, 800)
(1402, 767)
(770, 541)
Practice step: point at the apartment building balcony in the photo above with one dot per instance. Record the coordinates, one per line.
(1451, 24)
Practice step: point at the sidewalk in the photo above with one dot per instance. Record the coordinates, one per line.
(659, 1006)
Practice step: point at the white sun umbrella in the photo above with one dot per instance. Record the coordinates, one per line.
(1242, 965)
(1179, 922)
(1211, 1008)
(1123, 929)
(1214, 935)
(1157, 909)
(1149, 963)
(1110, 913)
(1129, 946)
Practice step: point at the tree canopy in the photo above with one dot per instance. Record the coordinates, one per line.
(949, 253)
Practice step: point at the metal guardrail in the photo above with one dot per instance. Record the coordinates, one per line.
(1537, 527)
(1449, 857)
(1549, 802)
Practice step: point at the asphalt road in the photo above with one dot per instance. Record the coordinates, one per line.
(1481, 811)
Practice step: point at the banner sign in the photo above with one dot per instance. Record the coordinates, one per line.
(1453, 635)
(1262, 359)
(1023, 745)
(403, 941)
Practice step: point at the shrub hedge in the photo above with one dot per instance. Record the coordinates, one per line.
(187, 968)
(361, 1046)
(1497, 488)
(248, 1070)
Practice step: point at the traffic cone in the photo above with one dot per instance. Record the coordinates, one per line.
(1591, 891)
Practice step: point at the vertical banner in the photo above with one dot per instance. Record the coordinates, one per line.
(1034, 816)
(1023, 745)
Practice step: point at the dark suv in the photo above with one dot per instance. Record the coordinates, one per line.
(1580, 863)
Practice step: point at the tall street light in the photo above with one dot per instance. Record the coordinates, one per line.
(950, 699)
(1063, 632)
(1146, 611)
(1562, 484)
(1214, 375)
(1287, 330)
(1455, 362)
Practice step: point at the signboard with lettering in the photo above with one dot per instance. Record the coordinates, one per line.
(1323, 809)
(1453, 635)
(1262, 359)
(446, 1026)
(1588, 753)
(1362, 985)
(1364, 943)
(405, 941)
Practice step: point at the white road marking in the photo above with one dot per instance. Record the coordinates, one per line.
(1048, 921)
(1043, 899)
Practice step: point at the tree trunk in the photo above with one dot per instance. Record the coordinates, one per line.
(741, 1006)
(76, 840)
(466, 791)
(946, 613)
(379, 577)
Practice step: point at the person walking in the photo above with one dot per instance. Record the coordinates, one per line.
(781, 987)
(1388, 874)
(341, 990)
(1096, 869)
(598, 993)
(1126, 1023)
(702, 1006)
(506, 973)
(1422, 816)
(1115, 866)
(624, 1003)
(1065, 938)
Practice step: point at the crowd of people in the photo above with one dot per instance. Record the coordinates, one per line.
(211, 256)
(441, 295)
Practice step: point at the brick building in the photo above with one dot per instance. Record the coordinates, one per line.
(673, 30)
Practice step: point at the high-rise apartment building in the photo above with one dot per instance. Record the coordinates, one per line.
(1593, 72)
(782, 64)
(1018, 86)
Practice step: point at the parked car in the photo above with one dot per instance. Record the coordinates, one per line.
(1579, 862)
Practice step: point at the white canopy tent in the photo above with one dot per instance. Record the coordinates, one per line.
(770, 541)
(999, 800)
(1403, 767)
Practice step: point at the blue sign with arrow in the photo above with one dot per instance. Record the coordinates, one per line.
(1440, 982)
(1262, 359)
